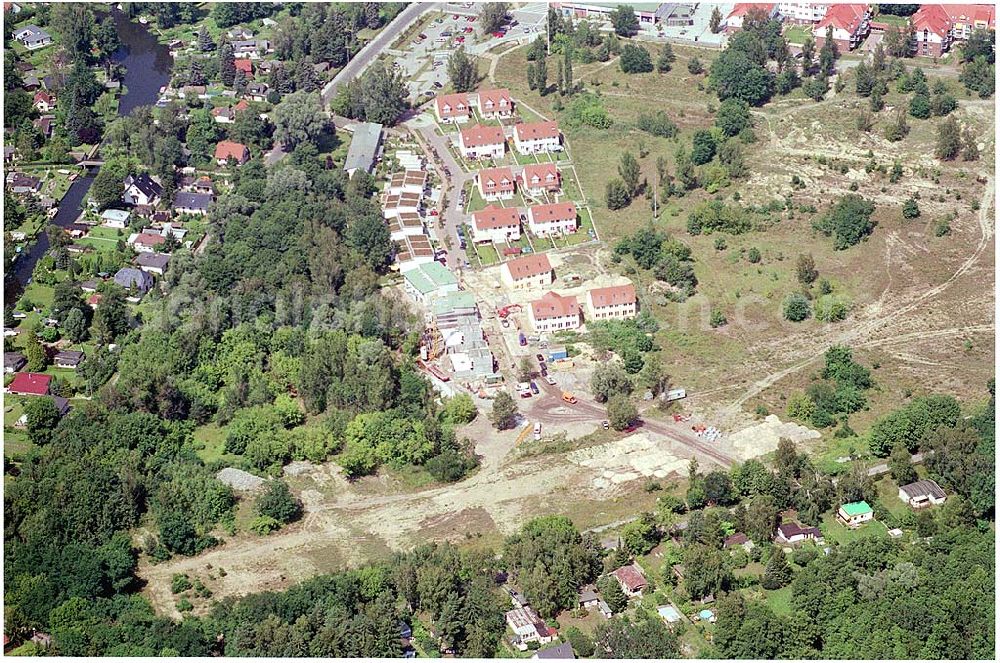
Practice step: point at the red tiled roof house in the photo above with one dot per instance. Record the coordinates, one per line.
(535, 137)
(496, 183)
(482, 142)
(538, 178)
(553, 312)
(936, 27)
(850, 23)
(496, 224)
(30, 384)
(227, 149)
(631, 579)
(552, 219)
(495, 103)
(452, 108)
(529, 271)
(617, 302)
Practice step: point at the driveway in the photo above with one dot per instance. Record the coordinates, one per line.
(454, 214)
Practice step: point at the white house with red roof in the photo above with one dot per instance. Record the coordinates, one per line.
(496, 183)
(528, 271)
(227, 149)
(936, 27)
(482, 142)
(496, 224)
(553, 312)
(552, 219)
(539, 178)
(45, 101)
(495, 103)
(617, 302)
(734, 19)
(850, 23)
(452, 107)
(535, 137)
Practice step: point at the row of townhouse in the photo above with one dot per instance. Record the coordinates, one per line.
(490, 142)
(555, 312)
(503, 224)
(458, 107)
(403, 211)
(935, 26)
(501, 183)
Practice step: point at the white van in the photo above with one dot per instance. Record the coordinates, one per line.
(538, 430)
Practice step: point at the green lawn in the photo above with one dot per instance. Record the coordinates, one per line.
(581, 235)
(487, 254)
(834, 532)
(890, 19)
(40, 295)
(780, 600)
(797, 34)
(209, 442)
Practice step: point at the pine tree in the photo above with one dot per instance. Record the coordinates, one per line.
(970, 148)
(205, 42)
(34, 352)
(777, 573)
(542, 76)
(665, 60)
(949, 140)
(227, 64)
(560, 78)
(568, 70)
(715, 21)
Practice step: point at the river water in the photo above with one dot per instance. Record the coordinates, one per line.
(148, 65)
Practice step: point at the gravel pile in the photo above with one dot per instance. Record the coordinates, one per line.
(238, 479)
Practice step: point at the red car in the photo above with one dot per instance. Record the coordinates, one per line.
(470, 19)
(454, 17)
(460, 40)
(468, 29)
(499, 35)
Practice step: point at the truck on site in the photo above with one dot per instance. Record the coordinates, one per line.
(569, 398)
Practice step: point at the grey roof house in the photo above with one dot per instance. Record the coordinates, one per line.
(131, 278)
(32, 37)
(154, 263)
(192, 203)
(142, 190)
(68, 358)
(13, 361)
(365, 143)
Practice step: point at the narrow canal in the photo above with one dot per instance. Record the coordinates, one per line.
(147, 69)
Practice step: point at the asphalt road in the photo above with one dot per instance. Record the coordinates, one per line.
(372, 49)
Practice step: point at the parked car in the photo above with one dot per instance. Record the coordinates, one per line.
(551, 380)
(469, 29)
(540, 358)
(438, 85)
(543, 369)
(605, 424)
(534, 388)
(538, 430)
(422, 35)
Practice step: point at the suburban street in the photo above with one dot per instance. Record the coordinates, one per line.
(372, 49)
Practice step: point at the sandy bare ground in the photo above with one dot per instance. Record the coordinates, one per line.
(346, 524)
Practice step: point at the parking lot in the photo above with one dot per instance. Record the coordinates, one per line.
(423, 59)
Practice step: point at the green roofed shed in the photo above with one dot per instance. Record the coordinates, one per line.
(428, 279)
(857, 508)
